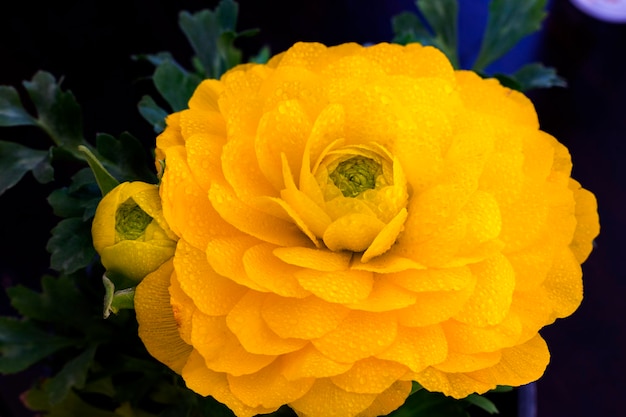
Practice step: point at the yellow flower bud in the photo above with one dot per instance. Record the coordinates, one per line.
(131, 234)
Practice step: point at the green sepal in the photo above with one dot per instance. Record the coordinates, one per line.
(125, 158)
(508, 22)
(153, 113)
(106, 181)
(16, 160)
(114, 301)
(23, 344)
(12, 112)
(262, 56)
(70, 246)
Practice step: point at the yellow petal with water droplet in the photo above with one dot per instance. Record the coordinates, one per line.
(306, 318)
(271, 272)
(328, 400)
(206, 382)
(268, 388)
(245, 321)
(337, 286)
(564, 284)
(370, 375)
(360, 335)
(386, 237)
(212, 293)
(417, 347)
(353, 232)
(220, 348)
(308, 362)
(317, 259)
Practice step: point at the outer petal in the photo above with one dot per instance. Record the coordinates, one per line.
(158, 328)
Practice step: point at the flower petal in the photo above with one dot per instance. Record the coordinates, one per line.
(337, 286)
(417, 347)
(211, 293)
(306, 318)
(268, 388)
(245, 321)
(206, 382)
(370, 375)
(158, 328)
(328, 400)
(360, 335)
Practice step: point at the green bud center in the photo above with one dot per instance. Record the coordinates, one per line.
(356, 175)
(130, 220)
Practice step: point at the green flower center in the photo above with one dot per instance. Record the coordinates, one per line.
(130, 220)
(356, 175)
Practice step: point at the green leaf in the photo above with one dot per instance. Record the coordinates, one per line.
(106, 181)
(70, 246)
(116, 300)
(73, 375)
(175, 84)
(58, 113)
(482, 402)
(442, 16)
(51, 305)
(23, 343)
(73, 405)
(12, 112)
(424, 403)
(15, 161)
(508, 23)
(211, 34)
(153, 113)
(262, 56)
(126, 157)
(408, 28)
(536, 75)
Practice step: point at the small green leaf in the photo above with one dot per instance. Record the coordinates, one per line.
(507, 24)
(126, 157)
(12, 112)
(424, 403)
(408, 28)
(175, 84)
(442, 16)
(70, 246)
(262, 56)
(15, 161)
(536, 75)
(23, 343)
(114, 301)
(153, 114)
(58, 113)
(105, 180)
(72, 375)
(482, 402)
(51, 304)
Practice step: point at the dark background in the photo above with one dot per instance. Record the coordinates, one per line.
(89, 44)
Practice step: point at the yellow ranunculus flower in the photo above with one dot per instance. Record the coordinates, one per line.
(131, 234)
(354, 218)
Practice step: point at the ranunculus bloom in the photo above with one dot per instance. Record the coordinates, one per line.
(354, 218)
(130, 233)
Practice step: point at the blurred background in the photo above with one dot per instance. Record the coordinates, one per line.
(90, 44)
